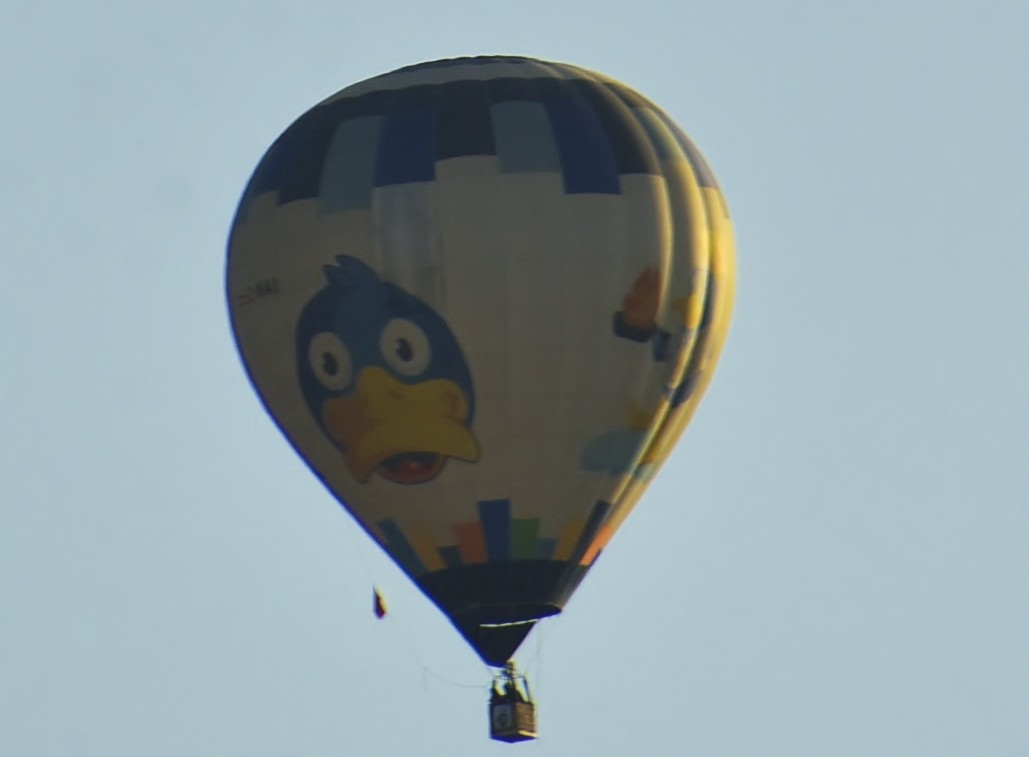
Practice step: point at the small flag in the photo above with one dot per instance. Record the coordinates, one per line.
(378, 604)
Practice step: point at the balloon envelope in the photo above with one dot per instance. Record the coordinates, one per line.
(481, 297)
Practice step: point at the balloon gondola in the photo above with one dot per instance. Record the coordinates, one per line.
(481, 298)
(512, 713)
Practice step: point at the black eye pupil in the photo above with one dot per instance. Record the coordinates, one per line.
(330, 364)
(404, 350)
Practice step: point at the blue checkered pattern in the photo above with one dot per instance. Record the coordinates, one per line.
(590, 130)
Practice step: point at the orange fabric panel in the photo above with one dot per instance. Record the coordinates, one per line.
(470, 542)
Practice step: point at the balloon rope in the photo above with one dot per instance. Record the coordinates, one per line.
(359, 546)
(426, 670)
(536, 661)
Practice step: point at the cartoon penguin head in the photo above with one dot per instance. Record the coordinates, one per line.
(384, 377)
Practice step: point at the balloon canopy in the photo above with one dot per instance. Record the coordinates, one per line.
(482, 297)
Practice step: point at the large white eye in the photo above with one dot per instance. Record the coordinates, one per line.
(405, 347)
(330, 361)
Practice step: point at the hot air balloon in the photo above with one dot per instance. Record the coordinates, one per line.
(482, 297)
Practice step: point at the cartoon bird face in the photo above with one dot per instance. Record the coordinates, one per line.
(384, 377)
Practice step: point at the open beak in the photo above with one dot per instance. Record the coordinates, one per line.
(404, 432)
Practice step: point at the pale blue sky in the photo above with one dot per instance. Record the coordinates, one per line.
(833, 562)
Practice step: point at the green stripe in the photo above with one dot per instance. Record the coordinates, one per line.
(523, 537)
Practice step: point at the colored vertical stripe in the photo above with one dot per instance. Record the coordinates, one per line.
(601, 540)
(587, 160)
(470, 543)
(425, 548)
(349, 170)
(451, 557)
(407, 148)
(567, 540)
(399, 548)
(524, 138)
(495, 515)
(464, 125)
(524, 532)
(589, 532)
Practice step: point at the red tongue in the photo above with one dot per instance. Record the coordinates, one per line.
(413, 468)
(410, 468)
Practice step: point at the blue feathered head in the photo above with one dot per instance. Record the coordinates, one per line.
(384, 376)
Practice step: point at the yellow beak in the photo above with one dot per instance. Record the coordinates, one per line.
(406, 432)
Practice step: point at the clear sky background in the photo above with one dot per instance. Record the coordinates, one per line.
(833, 562)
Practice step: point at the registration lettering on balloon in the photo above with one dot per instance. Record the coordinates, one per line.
(384, 377)
(254, 292)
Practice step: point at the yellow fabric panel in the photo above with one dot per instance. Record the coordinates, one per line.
(425, 547)
(568, 539)
(689, 292)
(709, 346)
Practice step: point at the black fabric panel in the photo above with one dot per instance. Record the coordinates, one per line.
(628, 141)
(270, 174)
(506, 90)
(463, 124)
(304, 177)
(510, 591)
(382, 102)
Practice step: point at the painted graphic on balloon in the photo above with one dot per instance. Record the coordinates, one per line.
(617, 451)
(384, 377)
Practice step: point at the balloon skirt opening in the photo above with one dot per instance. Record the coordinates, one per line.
(496, 604)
